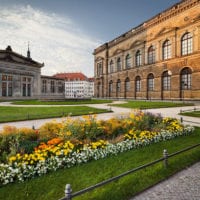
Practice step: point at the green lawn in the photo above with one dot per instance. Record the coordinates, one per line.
(150, 104)
(8, 114)
(191, 114)
(67, 102)
(51, 186)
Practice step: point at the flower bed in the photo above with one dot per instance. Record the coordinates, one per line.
(59, 145)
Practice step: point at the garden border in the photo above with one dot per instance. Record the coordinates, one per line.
(68, 190)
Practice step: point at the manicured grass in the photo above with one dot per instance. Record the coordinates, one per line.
(8, 114)
(191, 114)
(67, 102)
(151, 104)
(51, 186)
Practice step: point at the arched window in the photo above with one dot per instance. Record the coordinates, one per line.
(151, 55)
(166, 80)
(118, 86)
(186, 82)
(127, 84)
(119, 64)
(111, 66)
(138, 58)
(128, 61)
(166, 50)
(150, 82)
(186, 44)
(137, 84)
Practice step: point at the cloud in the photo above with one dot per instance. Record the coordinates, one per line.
(55, 40)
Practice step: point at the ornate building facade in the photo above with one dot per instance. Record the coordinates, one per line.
(159, 59)
(20, 78)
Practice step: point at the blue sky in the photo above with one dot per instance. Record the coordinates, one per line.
(64, 33)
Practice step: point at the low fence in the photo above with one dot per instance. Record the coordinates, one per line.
(68, 190)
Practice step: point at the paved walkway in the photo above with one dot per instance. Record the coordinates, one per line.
(184, 185)
(117, 111)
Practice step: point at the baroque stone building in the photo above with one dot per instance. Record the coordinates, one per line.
(20, 78)
(159, 59)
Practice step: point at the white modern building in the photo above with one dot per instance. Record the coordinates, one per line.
(77, 85)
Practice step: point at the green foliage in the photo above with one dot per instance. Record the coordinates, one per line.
(191, 114)
(51, 186)
(151, 104)
(8, 113)
(67, 102)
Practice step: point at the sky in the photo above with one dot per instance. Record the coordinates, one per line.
(64, 33)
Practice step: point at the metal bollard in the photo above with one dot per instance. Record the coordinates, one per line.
(165, 156)
(68, 191)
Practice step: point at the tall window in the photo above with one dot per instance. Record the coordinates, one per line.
(127, 84)
(166, 50)
(26, 86)
(111, 66)
(99, 69)
(186, 44)
(119, 64)
(138, 58)
(186, 82)
(137, 84)
(44, 86)
(110, 87)
(150, 82)
(151, 55)
(52, 86)
(118, 86)
(7, 85)
(166, 80)
(60, 87)
(128, 61)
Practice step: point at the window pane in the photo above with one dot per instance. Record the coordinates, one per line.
(138, 84)
(151, 55)
(167, 50)
(118, 64)
(138, 58)
(4, 89)
(186, 44)
(128, 61)
(150, 82)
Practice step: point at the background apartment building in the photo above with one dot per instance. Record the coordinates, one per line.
(77, 85)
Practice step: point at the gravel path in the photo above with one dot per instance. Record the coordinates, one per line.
(184, 185)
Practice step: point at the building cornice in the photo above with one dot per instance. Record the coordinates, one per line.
(159, 18)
